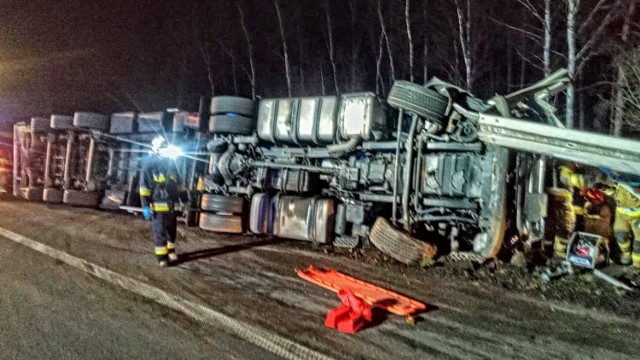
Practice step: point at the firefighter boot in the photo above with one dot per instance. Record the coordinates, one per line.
(635, 256)
(173, 257)
(560, 245)
(621, 232)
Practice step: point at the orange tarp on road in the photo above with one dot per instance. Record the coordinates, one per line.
(372, 294)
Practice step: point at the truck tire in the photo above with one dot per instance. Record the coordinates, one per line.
(232, 104)
(229, 124)
(221, 223)
(32, 193)
(220, 203)
(53, 196)
(398, 245)
(61, 122)
(416, 99)
(81, 198)
(40, 124)
(89, 120)
(493, 218)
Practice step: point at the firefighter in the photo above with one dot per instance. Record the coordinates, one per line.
(581, 196)
(160, 195)
(626, 225)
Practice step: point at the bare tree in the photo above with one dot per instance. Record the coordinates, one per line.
(464, 32)
(407, 20)
(252, 60)
(206, 57)
(285, 51)
(330, 46)
(385, 33)
(590, 37)
(629, 73)
(425, 47)
(622, 62)
(300, 53)
(379, 81)
(572, 10)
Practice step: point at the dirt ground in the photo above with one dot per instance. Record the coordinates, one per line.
(495, 311)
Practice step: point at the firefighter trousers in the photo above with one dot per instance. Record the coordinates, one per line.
(163, 228)
(626, 227)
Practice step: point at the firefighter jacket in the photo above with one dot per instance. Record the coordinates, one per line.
(160, 186)
(627, 200)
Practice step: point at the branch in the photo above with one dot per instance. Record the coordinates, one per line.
(527, 4)
(589, 18)
(596, 35)
(233, 58)
(531, 35)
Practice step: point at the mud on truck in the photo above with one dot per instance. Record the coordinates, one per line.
(431, 170)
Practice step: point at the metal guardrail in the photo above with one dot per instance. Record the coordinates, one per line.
(588, 148)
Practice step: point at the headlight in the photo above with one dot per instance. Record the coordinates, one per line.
(171, 152)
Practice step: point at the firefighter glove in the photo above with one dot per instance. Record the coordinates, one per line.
(146, 212)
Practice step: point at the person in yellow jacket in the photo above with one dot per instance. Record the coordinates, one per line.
(626, 225)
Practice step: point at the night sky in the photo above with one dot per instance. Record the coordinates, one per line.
(146, 55)
(61, 56)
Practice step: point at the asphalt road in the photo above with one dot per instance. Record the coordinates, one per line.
(49, 310)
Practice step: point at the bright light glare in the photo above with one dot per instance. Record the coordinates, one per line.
(171, 151)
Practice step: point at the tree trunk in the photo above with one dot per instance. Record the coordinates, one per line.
(206, 57)
(324, 89)
(407, 19)
(547, 38)
(252, 60)
(379, 82)
(235, 76)
(618, 107)
(354, 46)
(425, 48)
(285, 51)
(300, 55)
(330, 46)
(464, 29)
(388, 42)
(572, 9)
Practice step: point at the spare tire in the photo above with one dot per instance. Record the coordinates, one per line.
(418, 100)
(221, 223)
(232, 104)
(90, 120)
(398, 245)
(221, 203)
(61, 122)
(53, 196)
(82, 198)
(229, 124)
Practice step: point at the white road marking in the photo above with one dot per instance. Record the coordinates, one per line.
(263, 338)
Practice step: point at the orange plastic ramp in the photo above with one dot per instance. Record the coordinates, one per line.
(372, 294)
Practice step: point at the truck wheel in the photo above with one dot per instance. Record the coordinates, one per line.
(221, 223)
(220, 203)
(229, 124)
(81, 198)
(53, 196)
(494, 215)
(91, 121)
(418, 100)
(398, 245)
(232, 104)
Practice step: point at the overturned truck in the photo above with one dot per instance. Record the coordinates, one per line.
(430, 170)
